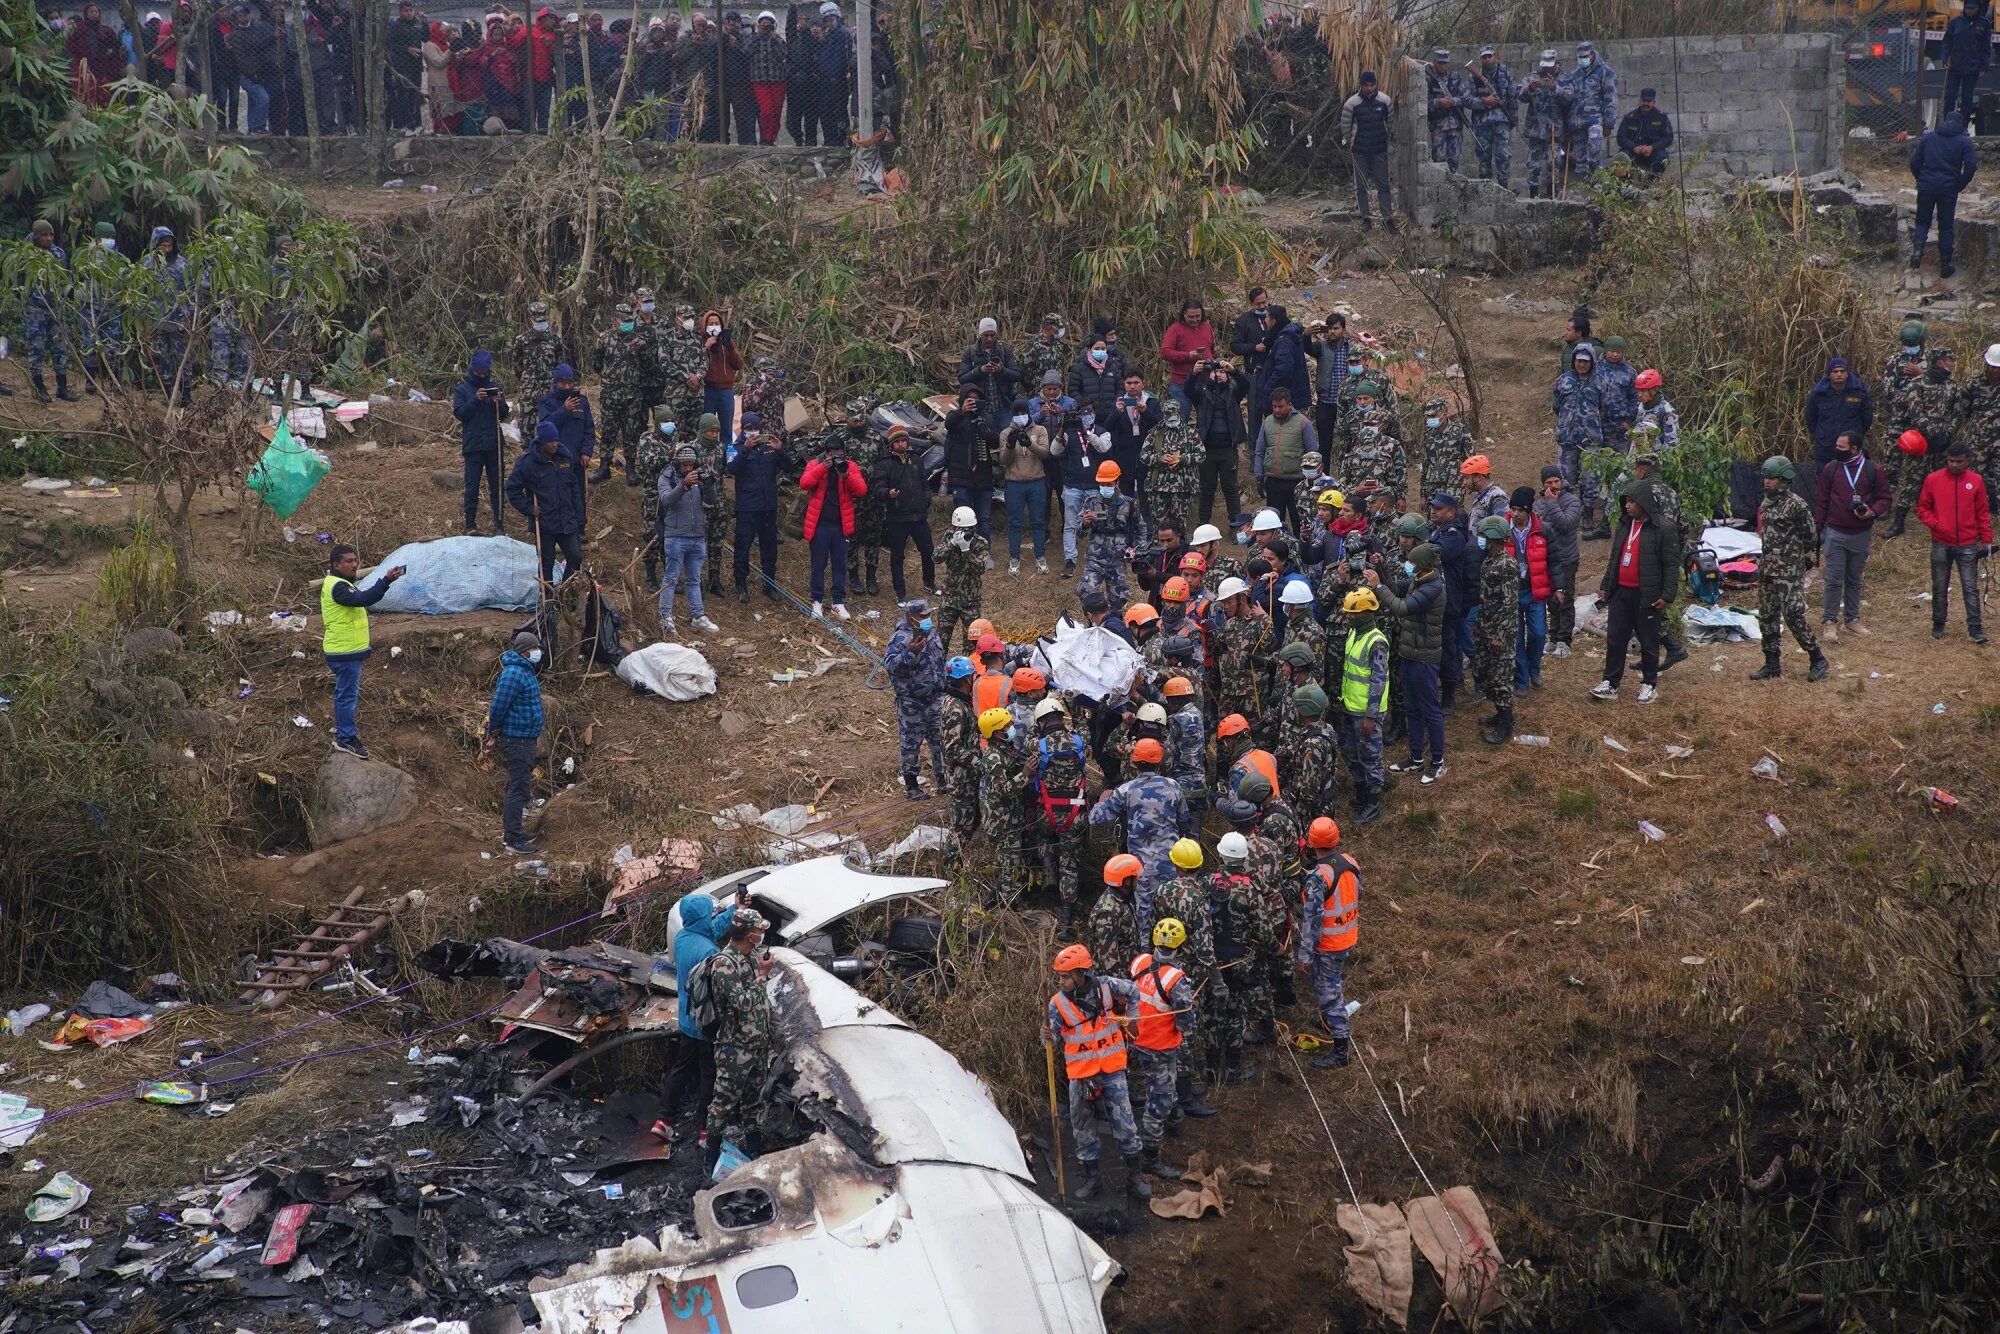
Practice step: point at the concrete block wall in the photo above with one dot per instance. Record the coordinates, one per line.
(1747, 106)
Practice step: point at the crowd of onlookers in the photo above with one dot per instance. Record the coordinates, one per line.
(752, 79)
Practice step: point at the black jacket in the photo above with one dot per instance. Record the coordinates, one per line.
(1095, 389)
(970, 446)
(1218, 408)
(1245, 334)
(905, 476)
(1944, 160)
(549, 486)
(1831, 413)
(756, 469)
(1659, 551)
(996, 391)
(1646, 127)
(1460, 565)
(478, 425)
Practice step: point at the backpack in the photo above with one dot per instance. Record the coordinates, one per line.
(1059, 781)
(702, 1007)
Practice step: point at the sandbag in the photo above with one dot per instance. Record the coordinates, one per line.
(287, 473)
(1088, 660)
(671, 671)
(454, 574)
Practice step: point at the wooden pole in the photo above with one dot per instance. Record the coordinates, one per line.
(203, 45)
(1055, 1119)
(864, 69)
(375, 40)
(297, 18)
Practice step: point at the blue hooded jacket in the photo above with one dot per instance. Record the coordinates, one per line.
(695, 942)
(1968, 41)
(1944, 160)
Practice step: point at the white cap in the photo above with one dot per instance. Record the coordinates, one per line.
(1152, 713)
(763, 14)
(989, 325)
(1993, 356)
(1051, 705)
(963, 517)
(1265, 522)
(1208, 532)
(1295, 594)
(830, 8)
(1230, 588)
(1232, 847)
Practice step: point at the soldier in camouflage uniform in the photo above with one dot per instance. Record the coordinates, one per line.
(1089, 1000)
(1375, 466)
(1903, 370)
(1542, 128)
(656, 450)
(1447, 444)
(43, 327)
(626, 353)
(1185, 899)
(1245, 633)
(1047, 351)
(1153, 814)
(961, 746)
(537, 353)
(1791, 549)
(1932, 401)
(1003, 810)
(1305, 500)
(1240, 924)
(1309, 767)
(1187, 741)
(1448, 104)
(963, 557)
(1060, 810)
(683, 363)
(653, 384)
(1112, 930)
(761, 394)
(712, 459)
(1270, 903)
(743, 1035)
(1112, 531)
(1173, 456)
(1495, 628)
(915, 663)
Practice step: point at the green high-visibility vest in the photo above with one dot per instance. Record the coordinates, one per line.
(346, 627)
(1354, 673)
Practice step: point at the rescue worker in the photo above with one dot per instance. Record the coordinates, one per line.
(1257, 917)
(1237, 754)
(1113, 533)
(1329, 926)
(1112, 930)
(743, 1033)
(1166, 1016)
(1056, 781)
(961, 746)
(537, 353)
(1002, 810)
(964, 557)
(915, 662)
(1187, 753)
(1364, 700)
(1243, 941)
(1310, 764)
(1153, 814)
(1185, 899)
(1791, 548)
(1495, 629)
(1087, 1015)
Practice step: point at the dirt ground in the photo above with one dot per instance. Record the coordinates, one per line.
(1545, 991)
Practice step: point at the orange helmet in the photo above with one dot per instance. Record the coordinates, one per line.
(1027, 678)
(1147, 751)
(1476, 466)
(1174, 590)
(982, 626)
(1107, 473)
(1232, 725)
(1073, 959)
(1195, 561)
(1177, 686)
(1323, 833)
(1139, 613)
(1121, 868)
(989, 643)
(1913, 442)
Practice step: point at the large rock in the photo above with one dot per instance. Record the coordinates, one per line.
(151, 641)
(354, 796)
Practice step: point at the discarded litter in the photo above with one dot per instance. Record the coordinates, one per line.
(731, 1159)
(1679, 752)
(47, 484)
(614, 1190)
(1937, 708)
(409, 1112)
(1525, 739)
(1766, 768)
(395, 184)
(63, 1196)
(1694, 960)
(98, 1032)
(21, 1020)
(1653, 832)
(172, 1093)
(18, 1121)
(1613, 743)
(1940, 800)
(215, 620)
(283, 1241)
(1776, 826)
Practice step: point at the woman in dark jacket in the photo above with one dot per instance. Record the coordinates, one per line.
(1096, 381)
(1287, 364)
(1638, 586)
(1217, 391)
(970, 446)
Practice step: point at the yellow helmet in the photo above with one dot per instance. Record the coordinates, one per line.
(1168, 933)
(994, 719)
(1186, 854)
(1361, 599)
(1331, 496)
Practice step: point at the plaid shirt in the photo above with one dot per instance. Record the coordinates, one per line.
(517, 699)
(767, 58)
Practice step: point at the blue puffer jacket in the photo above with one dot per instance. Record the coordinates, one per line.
(695, 942)
(1968, 41)
(1944, 160)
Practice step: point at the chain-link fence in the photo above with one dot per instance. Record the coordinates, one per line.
(1892, 82)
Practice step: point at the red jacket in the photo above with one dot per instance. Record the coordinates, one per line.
(542, 47)
(1540, 587)
(1955, 508)
(815, 480)
(1182, 347)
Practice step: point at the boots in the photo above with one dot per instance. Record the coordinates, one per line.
(1092, 1184)
(1333, 1058)
(631, 472)
(1136, 1184)
(1262, 1035)
(715, 581)
(41, 390)
(1902, 515)
(742, 590)
(62, 389)
(1189, 1097)
(1153, 1165)
(1597, 528)
(871, 585)
(1063, 922)
(1502, 729)
(1820, 666)
(1237, 1072)
(603, 473)
(1772, 668)
(911, 788)
(652, 569)
(1367, 806)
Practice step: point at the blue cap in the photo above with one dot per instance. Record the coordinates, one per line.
(751, 419)
(1441, 498)
(1239, 520)
(482, 362)
(546, 431)
(563, 372)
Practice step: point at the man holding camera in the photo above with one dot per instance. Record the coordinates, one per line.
(832, 483)
(1852, 495)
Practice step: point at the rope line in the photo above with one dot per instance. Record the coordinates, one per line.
(1284, 1035)
(1355, 1048)
(804, 608)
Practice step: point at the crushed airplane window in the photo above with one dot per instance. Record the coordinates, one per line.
(751, 1207)
(770, 1286)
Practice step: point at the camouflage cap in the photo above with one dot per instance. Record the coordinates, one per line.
(622, 308)
(747, 919)
(765, 364)
(1055, 317)
(860, 407)
(682, 310)
(1646, 460)
(538, 308)
(1937, 352)
(1434, 405)
(643, 293)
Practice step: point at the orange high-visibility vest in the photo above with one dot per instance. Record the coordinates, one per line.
(1340, 906)
(1263, 761)
(1156, 1030)
(1090, 1046)
(991, 690)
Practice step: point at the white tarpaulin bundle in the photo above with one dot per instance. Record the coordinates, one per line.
(671, 671)
(453, 574)
(1732, 543)
(1088, 660)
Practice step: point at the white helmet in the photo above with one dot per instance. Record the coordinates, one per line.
(1152, 713)
(1049, 706)
(1265, 522)
(963, 517)
(1296, 594)
(1993, 356)
(1232, 847)
(1208, 532)
(1230, 588)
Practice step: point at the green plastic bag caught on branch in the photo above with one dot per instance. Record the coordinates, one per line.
(288, 472)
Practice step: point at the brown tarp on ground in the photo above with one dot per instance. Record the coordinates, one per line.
(1456, 1238)
(1205, 1192)
(1378, 1260)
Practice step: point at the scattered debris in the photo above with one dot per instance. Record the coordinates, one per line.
(63, 1196)
(1653, 832)
(1775, 825)
(1525, 739)
(1940, 800)
(18, 1120)
(1679, 752)
(1613, 743)
(21, 1020)
(1766, 768)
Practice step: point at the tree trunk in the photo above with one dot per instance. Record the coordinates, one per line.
(128, 13)
(374, 35)
(625, 71)
(306, 89)
(202, 44)
(184, 52)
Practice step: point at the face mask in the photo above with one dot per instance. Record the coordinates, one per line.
(627, 326)
(1097, 355)
(1843, 454)
(541, 326)
(687, 324)
(1243, 539)
(1410, 571)
(1583, 62)
(714, 331)
(1020, 419)
(647, 307)
(1480, 540)
(666, 428)
(1309, 473)
(1431, 422)
(924, 625)
(109, 242)
(1107, 491)
(534, 655)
